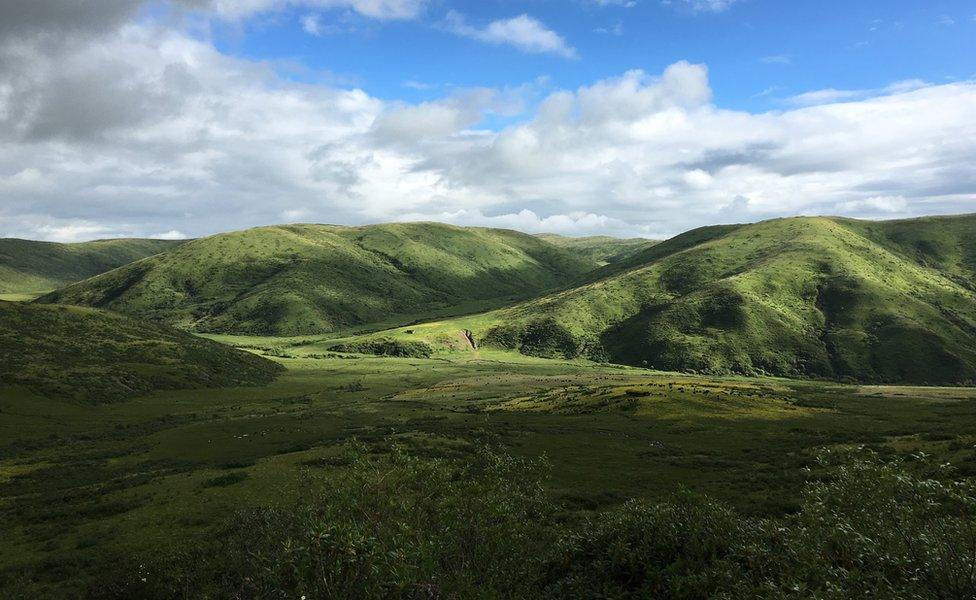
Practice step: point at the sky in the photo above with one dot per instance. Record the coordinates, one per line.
(183, 118)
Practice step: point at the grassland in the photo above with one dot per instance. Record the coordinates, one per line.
(29, 268)
(82, 483)
(299, 279)
(93, 356)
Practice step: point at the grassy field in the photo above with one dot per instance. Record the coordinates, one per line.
(81, 483)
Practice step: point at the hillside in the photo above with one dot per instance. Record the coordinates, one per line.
(30, 267)
(822, 297)
(91, 355)
(599, 249)
(298, 279)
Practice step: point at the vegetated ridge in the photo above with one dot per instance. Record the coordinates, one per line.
(822, 297)
(300, 279)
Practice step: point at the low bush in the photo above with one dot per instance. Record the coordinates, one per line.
(401, 526)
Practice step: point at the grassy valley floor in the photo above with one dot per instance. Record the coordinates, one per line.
(82, 482)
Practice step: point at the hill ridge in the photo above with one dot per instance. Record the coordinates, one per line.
(298, 278)
(803, 296)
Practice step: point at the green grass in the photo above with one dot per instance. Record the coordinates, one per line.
(300, 279)
(30, 268)
(81, 482)
(94, 356)
(803, 297)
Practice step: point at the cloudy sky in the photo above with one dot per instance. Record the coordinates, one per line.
(182, 118)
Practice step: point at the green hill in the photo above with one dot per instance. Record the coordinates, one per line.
(298, 279)
(599, 249)
(837, 298)
(29, 267)
(91, 355)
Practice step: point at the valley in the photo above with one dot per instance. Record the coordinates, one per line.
(147, 407)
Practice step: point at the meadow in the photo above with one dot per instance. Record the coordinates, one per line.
(82, 484)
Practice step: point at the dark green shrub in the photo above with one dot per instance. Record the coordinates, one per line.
(389, 527)
(401, 526)
(387, 347)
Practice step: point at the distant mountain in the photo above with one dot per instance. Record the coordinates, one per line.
(30, 267)
(91, 355)
(298, 279)
(600, 249)
(826, 297)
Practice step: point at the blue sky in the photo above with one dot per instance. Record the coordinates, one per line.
(759, 52)
(181, 118)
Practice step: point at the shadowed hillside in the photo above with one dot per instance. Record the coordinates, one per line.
(30, 267)
(298, 279)
(838, 298)
(86, 354)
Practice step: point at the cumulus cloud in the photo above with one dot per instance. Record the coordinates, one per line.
(412, 123)
(141, 129)
(524, 32)
(60, 17)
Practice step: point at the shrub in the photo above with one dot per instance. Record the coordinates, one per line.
(394, 527)
(387, 347)
(401, 526)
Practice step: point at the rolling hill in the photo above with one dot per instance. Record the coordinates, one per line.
(29, 267)
(299, 279)
(96, 356)
(801, 297)
(599, 249)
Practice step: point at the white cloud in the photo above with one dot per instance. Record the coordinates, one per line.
(75, 231)
(524, 32)
(172, 234)
(875, 204)
(144, 130)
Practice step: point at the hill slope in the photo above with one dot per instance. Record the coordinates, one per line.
(297, 279)
(602, 250)
(838, 298)
(30, 267)
(86, 354)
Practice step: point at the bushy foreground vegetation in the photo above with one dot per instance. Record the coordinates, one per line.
(400, 526)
